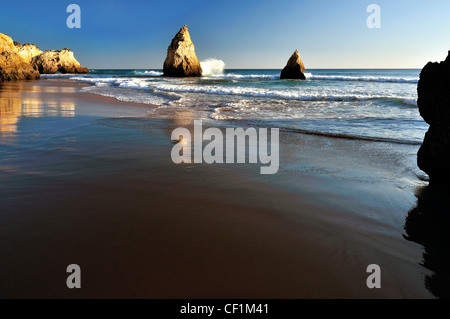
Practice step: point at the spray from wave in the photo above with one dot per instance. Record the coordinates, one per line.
(212, 67)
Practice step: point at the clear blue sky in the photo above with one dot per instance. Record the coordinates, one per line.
(244, 33)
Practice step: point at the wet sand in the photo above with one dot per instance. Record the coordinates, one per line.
(89, 180)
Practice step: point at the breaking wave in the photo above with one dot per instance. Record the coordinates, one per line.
(212, 67)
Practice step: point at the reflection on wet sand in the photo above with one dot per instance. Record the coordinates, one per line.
(20, 99)
(428, 224)
(37, 108)
(10, 110)
(183, 119)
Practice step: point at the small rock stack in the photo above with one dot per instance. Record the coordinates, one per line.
(294, 68)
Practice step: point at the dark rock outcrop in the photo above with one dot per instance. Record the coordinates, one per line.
(52, 61)
(181, 60)
(12, 66)
(294, 69)
(434, 106)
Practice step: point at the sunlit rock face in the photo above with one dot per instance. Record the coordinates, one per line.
(181, 60)
(26, 62)
(294, 68)
(28, 51)
(6, 43)
(52, 61)
(12, 66)
(434, 106)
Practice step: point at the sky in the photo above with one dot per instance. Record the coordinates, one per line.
(248, 34)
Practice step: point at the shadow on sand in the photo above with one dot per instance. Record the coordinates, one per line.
(428, 224)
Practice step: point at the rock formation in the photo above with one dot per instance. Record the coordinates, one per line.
(181, 60)
(294, 69)
(434, 106)
(12, 66)
(6, 43)
(52, 61)
(28, 51)
(19, 62)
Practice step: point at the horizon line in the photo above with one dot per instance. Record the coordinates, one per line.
(384, 68)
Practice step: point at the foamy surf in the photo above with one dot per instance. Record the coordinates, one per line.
(311, 76)
(379, 105)
(147, 73)
(274, 94)
(127, 95)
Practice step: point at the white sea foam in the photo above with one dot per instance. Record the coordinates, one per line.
(215, 69)
(140, 83)
(274, 94)
(126, 95)
(132, 83)
(147, 73)
(94, 79)
(376, 104)
(212, 67)
(311, 76)
(126, 82)
(246, 76)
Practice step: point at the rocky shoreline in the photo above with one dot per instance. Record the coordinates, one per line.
(27, 62)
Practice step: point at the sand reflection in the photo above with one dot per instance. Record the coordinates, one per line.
(32, 107)
(21, 100)
(182, 118)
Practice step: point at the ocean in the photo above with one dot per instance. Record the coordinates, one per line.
(372, 104)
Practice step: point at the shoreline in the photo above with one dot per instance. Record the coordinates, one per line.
(93, 96)
(109, 197)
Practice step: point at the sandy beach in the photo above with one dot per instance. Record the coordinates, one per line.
(89, 180)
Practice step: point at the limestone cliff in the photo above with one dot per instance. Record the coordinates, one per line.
(12, 66)
(181, 60)
(28, 51)
(434, 106)
(294, 69)
(6, 43)
(52, 61)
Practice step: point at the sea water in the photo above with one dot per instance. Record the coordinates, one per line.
(373, 104)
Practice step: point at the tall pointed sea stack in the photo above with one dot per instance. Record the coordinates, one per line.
(294, 69)
(181, 60)
(434, 106)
